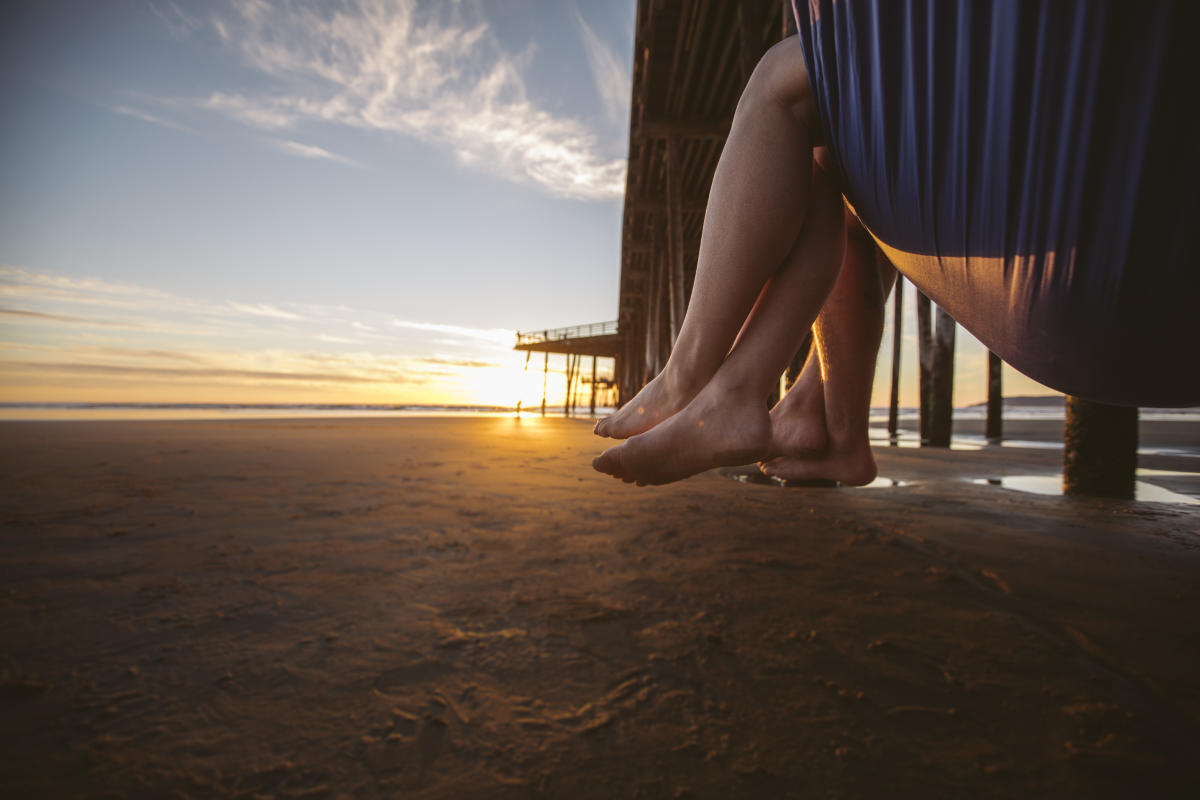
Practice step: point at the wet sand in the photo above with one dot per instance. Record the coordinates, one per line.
(462, 608)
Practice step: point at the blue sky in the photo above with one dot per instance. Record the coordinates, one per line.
(395, 186)
(243, 201)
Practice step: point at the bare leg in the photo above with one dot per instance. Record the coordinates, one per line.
(727, 422)
(847, 333)
(804, 403)
(755, 211)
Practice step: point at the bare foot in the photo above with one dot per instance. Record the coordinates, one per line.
(798, 420)
(851, 466)
(717, 429)
(802, 448)
(658, 400)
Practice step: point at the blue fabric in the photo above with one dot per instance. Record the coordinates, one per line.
(1032, 168)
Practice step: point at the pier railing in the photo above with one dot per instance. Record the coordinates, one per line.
(574, 332)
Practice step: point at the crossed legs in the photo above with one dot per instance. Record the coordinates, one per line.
(727, 422)
(771, 251)
(756, 209)
(819, 428)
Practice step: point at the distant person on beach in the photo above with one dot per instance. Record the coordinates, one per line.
(779, 255)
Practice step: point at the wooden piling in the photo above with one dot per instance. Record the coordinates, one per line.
(652, 279)
(925, 361)
(675, 277)
(796, 366)
(995, 399)
(521, 400)
(941, 381)
(545, 375)
(749, 37)
(788, 19)
(570, 380)
(1099, 449)
(897, 331)
(592, 405)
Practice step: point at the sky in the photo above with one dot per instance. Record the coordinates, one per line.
(350, 202)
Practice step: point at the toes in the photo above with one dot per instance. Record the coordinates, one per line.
(609, 463)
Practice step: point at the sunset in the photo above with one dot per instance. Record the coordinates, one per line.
(646, 398)
(240, 203)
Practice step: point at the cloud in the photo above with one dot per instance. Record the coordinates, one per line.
(494, 335)
(264, 310)
(614, 83)
(51, 337)
(18, 280)
(259, 114)
(458, 362)
(179, 23)
(148, 117)
(195, 373)
(41, 316)
(310, 151)
(431, 75)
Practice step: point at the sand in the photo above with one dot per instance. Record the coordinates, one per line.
(462, 608)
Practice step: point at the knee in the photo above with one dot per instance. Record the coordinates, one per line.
(781, 79)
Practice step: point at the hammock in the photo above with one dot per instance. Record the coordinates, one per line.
(1030, 167)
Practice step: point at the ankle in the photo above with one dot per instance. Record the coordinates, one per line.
(682, 377)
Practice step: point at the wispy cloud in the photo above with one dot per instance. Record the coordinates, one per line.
(178, 22)
(66, 332)
(264, 310)
(613, 81)
(41, 316)
(146, 116)
(458, 362)
(310, 151)
(495, 335)
(198, 373)
(436, 75)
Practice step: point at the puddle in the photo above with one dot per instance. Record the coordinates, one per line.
(1052, 485)
(753, 475)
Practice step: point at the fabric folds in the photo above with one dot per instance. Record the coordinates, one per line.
(1031, 166)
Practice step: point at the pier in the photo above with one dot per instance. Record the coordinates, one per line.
(597, 340)
(691, 61)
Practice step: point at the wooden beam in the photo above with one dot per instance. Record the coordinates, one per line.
(788, 20)
(691, 247)
(683, 129)
(593, 403)
(1099, 449)
(995, 399)
(675, 239)
(897, 330)
(749, 37)
(941, 381)
(692, 205)
(545, 375)
(924, 360)
(652, 309)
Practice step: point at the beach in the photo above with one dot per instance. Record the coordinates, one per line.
(463, 608)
